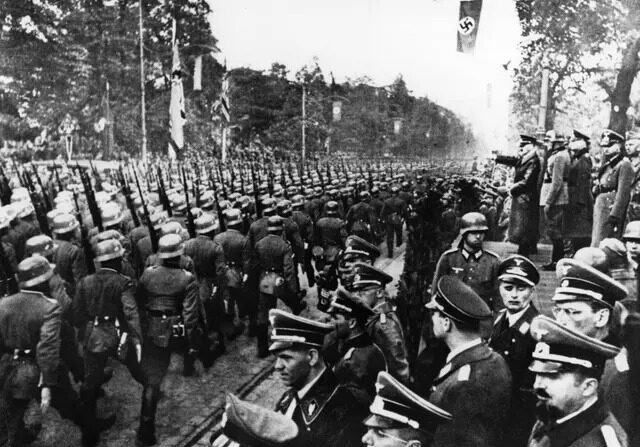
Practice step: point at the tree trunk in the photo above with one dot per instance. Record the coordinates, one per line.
(620, 96)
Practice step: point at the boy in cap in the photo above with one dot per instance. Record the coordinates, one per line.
(399, 417)
(568, 367)
(326, 413)
(517, 278)
(475, 383)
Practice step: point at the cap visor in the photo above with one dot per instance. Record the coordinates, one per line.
(375, 421)
(545, 367)
(515, 279)
(280, 345)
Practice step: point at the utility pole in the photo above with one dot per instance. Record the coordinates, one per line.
(143, 111)
(304, 123)
(544, 92)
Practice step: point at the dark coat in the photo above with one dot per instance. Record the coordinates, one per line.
(475, 386)
(328, 415)
(614, 192)
(29, 321)
(330, 231)
(516, 345)
(70, 263)
(524, 216)
(615, 388)
(587, 429)
(273, 253)
(579, 211)
(208, 258)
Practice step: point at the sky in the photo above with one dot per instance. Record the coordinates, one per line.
(381, 39)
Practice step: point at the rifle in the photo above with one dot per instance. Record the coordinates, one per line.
(55, 169)
(223, 225)
(5, 188)
(95, 176)
(126, 190)
(41, 215)
(91, 198)
(8, 283)
(84, 237)
(191, 224)
(164, 199)
(45, 196)
(152, 231)
(256, 193)
(15, 168)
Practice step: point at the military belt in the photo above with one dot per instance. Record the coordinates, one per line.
(163, 313)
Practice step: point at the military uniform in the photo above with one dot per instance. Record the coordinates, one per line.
(616, 391)
(579, 212)
(169, 297)
(234, 246)
(305, 224)
(515, 344)
(393, 214)
(30, 345)
(70, 263)
(361, 219)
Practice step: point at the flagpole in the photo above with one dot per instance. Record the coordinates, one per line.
(143, 111)
(304, 122)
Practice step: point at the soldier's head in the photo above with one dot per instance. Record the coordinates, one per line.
(111, 216)
(579, 143)
(268, 207)
(297, 202)
(399, 417)
(456, 311)
(109, 254)
(349, 313)
(356, 250)
(233, 219)
(332, 208)
(34, 274)
(274, 225)
(568, 366)
(369, 283)
(41, 245)
(284, 208)
(208, 225)
(65, 227)
(586, 297)
(473, 228)
(170, 249)
(297, 345)
(364, 196)
(517, 278)
(632, 142)
(527, 143)
(612, 143)
(631, 238)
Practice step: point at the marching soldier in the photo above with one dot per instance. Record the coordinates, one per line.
(475, 383)
(305, 225)
(272, 264)
(579, 216)
(510, 338)
(369, 284)
(104, 309)
(326, 412)
(401, 417)
(330, 235)
(30, 342)
(69, 258)
(169, 298)
(568, 368)
(361, 217)
(612, 190)
(393, 214)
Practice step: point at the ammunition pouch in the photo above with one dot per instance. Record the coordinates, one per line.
(101, 335)
(271, 283)
(162, 329)
(234, 277)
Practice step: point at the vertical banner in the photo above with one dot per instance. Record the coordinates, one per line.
(337, 111)
(468, 24)
(397, 125)
(177, 115)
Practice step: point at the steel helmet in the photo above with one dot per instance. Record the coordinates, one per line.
(170, 246)
(274, 224)
(632, 231)
(473, 222)
(332, 208)
(109, 249)
(34, 270)
(41, 245)
(284, 208)
(208, 223)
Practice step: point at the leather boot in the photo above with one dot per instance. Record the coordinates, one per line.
(147, 429)
(262, 332)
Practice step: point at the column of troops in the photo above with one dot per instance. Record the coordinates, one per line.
(93, 270)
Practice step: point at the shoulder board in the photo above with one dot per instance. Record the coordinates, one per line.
(489, 252)
(610, 437)
(464, 373)
(349, 353)
(51, 300)
(383, 318)
(501, 313)
(622, 363)
(524, 328)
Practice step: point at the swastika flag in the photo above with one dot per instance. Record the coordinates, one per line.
(468, 24)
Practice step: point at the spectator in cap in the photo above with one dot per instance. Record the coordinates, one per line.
(359, 357)
(612, 190)
(398, 416)
(579, 211)
(517, 278)
(568, 367)
(384, 327)
(475, 383)
(632, 147)
(621, 266)
(326, 413)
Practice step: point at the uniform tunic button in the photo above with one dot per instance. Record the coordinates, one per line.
(506, 352)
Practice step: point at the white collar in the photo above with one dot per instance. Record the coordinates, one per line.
(513, 318)
(464, 347)
(584, 407)
(305, 389)
(467, 254)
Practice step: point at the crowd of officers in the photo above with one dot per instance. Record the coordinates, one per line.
(490, 370)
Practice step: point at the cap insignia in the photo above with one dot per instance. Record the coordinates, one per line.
(542, 349)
